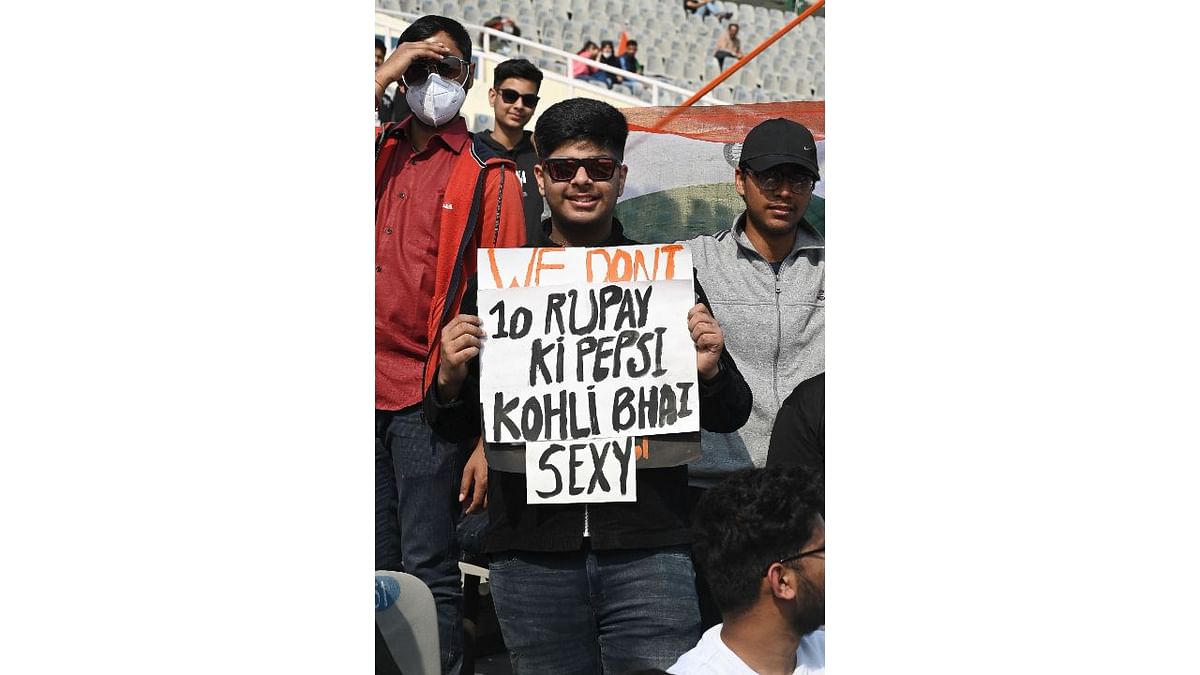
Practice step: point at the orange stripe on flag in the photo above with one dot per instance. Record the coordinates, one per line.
(725, 123)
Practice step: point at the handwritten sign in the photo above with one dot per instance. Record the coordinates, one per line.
(586, 343)
(588, 470)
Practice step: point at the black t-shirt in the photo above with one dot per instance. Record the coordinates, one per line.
(798, 438)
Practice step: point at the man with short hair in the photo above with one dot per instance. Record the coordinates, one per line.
(514, 97)
(438, 196)
(728, 45)
(587, 587)
(628, 59)
(762, 534)
(766, 281)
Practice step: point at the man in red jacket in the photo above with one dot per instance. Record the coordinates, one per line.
(439, 195)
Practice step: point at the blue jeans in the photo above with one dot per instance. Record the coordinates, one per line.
(588, 612)
(417, 476)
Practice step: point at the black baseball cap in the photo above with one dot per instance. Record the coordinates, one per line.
(780, 141)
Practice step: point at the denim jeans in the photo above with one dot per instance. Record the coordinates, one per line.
(416, 509)
(588, 612)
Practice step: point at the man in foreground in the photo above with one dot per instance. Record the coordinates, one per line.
(761, 533)
(587, 587)
(437, 198)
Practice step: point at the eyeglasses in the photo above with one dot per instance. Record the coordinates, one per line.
(804, 554)
(450, 68)
(564, 168)
(510, 96)
(773, 180)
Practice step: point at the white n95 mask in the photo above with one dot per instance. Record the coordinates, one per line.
(436, 100)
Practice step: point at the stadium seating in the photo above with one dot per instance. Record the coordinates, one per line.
(674, 45)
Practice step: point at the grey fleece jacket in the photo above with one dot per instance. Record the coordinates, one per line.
(774, 327)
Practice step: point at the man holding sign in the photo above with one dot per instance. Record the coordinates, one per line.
(588, 549)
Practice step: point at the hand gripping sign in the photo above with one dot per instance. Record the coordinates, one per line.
(586, 348)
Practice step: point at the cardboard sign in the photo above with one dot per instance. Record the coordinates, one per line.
(587, 470)
(586, 343)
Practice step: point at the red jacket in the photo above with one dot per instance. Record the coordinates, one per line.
(486, 195)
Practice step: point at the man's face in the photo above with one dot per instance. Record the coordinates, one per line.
(580, 205)
(443, 37)
(631, 50)
(809, 609)
(378, 57)
(733, 30)
(515, 115)
(772, 212)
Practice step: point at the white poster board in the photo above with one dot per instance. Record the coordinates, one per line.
(586, 343)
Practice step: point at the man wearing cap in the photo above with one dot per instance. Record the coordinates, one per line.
(765, 278)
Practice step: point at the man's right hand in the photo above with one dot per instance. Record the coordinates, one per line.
(403, 57)
(461, 340)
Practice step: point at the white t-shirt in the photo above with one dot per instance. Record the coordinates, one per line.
(710, 656)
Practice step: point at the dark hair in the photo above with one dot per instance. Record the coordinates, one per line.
(379, 45)
(519, 68)
(749, 520)
(589, 44)
(630, 43)
(581, 119)
(431, 24)
(609, 43)
(732, 25)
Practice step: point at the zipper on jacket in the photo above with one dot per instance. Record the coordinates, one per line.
(778, 338)
(586, 532)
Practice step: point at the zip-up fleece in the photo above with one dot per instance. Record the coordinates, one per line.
(486, 198)
(774, 327)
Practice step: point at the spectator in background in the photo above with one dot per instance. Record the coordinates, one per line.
(426, 170)
(703, 8)
(728, 45)
(380, 52)
(608, 58)
(582, 71)
(383, 113)
(762, 534)
(505, 25)
(514, 97)
(628, 60)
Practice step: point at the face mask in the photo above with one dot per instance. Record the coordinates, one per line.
(606, 54)
(436, 101)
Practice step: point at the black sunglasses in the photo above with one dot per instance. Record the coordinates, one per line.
(563, 168)
(510, 96)
(450, 68)
(798, 556)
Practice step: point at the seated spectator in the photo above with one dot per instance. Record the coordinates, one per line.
(628, 60)
(506, 25)
(704, 8)
(608, 58)
(728, 45)
(798, 437)
(582, 71)
(761, 533)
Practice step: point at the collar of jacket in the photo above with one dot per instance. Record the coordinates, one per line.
(806, 236)
(523, 145)
(615, 238)
(453, 135)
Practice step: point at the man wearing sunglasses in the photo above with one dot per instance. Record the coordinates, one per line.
(439, 195)
(514, 98)
(762, 534)
(601, 587)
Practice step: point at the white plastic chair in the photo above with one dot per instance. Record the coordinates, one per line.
(410, 626)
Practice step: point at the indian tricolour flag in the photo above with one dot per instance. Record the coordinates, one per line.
(681, 165)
